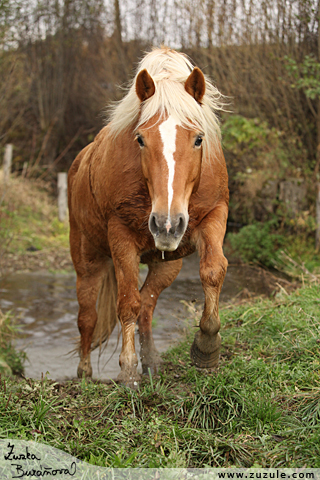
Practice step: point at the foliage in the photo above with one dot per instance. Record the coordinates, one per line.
(252, 147)
(293, 254)
(298, 258)
(252, 411)
(259, 157)
(242, 134)
(66, 57)
(257, 243)
(306, 75)
(302, 249)
(11, 361)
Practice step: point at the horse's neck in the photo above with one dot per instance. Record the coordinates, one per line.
(115, 167)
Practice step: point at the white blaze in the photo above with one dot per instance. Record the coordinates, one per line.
(168, 136)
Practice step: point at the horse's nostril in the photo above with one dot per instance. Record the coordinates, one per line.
(153, 225)
(159, 225)
(180, 228)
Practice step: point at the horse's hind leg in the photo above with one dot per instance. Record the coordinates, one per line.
(213, 265)
(160, 276)
(89, 271)
(88, 286)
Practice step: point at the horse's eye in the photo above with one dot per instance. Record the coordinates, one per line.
(198, 141)
(140, 141)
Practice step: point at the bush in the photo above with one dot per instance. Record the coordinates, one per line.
(259, 157)
(257, 243)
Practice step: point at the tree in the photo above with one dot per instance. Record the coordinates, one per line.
(306, 76)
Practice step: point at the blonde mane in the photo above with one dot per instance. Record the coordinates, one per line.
(169, 71)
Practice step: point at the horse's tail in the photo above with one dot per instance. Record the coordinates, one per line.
(106, 308)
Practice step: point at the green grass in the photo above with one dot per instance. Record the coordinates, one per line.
(262, 244)
(11, 361)
(260, 408)
(30, 228)
(301, 249)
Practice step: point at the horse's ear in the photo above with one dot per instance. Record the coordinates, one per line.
(196, 84)
(145, 87)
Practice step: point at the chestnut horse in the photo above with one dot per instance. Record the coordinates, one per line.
(152, 187)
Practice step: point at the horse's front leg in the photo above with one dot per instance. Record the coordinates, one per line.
(126, 259)
(160, 276)
(213, 266)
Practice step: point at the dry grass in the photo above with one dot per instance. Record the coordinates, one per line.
(31, 193)
(32, 237)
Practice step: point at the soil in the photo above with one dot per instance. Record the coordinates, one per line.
(36, 261)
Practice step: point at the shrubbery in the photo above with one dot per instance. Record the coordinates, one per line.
(259, 157)
(258, 243)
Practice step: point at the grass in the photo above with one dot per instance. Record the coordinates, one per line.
(299, 257)
(11, 361)
(292, 254)
(259, 408)
(29, 218)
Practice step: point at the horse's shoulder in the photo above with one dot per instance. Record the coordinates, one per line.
(102, 135)
(77, 162)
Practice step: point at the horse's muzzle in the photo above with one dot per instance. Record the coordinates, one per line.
(167, 231)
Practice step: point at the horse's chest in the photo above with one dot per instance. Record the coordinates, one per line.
(134, 211)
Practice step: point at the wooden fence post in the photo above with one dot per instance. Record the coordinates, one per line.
(24, 169)
(62, 196)
(7, 161)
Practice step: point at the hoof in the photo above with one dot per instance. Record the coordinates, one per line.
(153, 365)
(153, 369)
(84, 368)
(130, 380)
(205, 351)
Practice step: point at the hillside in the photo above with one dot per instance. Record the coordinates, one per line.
(31, 236)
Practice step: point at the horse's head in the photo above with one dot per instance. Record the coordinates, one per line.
(171, 157)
